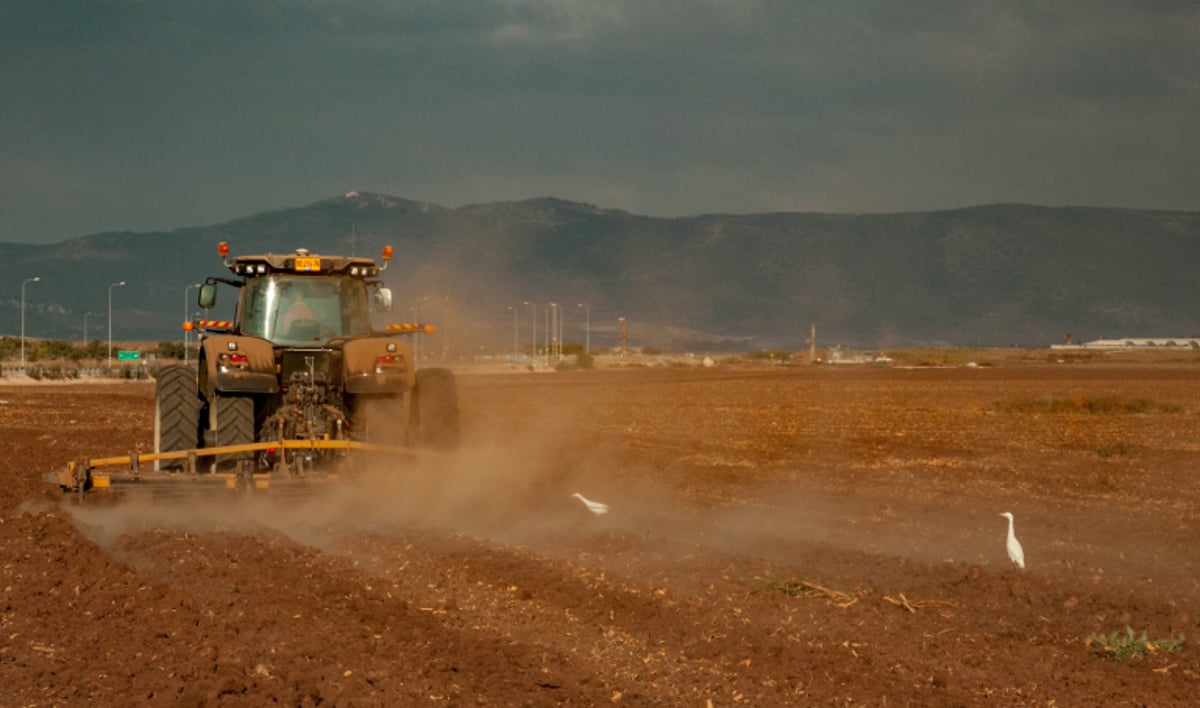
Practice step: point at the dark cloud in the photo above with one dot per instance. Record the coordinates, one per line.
(138, 115)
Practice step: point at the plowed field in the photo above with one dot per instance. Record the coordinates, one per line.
(776, 536)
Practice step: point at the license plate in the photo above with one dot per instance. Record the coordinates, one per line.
(308, 265)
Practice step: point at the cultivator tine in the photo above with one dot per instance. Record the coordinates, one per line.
(245, 476)
(79, 476)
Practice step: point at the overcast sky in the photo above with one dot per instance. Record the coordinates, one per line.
(156, 114)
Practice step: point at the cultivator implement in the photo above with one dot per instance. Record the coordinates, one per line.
(198, 469)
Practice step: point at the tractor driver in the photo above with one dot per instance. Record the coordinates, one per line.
(298, 310)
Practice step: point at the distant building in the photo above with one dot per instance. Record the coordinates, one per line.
(1136, 343)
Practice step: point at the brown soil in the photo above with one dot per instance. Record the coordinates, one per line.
(777, 536)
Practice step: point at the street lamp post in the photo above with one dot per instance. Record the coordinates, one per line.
(549, 329)
(516, 325)
(421, 332)
(445, 326)
(186, 290)
(414, 314)
(418, 312)
(34, 279)
(533, 320)
(110, 289)
(587, 328)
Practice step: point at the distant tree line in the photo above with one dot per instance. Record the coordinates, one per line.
(62, 350)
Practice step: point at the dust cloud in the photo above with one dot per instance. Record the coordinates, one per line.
(511, 482)
(523, 456)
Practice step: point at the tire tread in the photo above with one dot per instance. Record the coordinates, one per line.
(177, 411)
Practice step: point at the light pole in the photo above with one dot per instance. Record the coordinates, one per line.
(85, 316)
(414, 314)
(445, 326)
(419, 336)
(420, 317)
(587, 328)
(516, 325)
(186, 290)
(549, 328)
(110, 289)
(561, 316)
(533, 319)
(34, 279)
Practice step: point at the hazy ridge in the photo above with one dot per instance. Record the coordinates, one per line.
(989, 275)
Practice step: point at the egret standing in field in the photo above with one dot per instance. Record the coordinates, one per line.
(593, 506)
(1015, 553)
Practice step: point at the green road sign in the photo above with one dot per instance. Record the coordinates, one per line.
(129, 356)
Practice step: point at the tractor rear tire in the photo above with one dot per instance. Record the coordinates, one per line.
(381, 419)
(176, 413)
(230, 422)
(434, 410)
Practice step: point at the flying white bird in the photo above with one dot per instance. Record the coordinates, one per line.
(593, 506)
(1015, 553)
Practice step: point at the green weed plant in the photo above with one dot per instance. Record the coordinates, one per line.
(1123, 645)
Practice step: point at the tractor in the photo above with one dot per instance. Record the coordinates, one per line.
(299, 365)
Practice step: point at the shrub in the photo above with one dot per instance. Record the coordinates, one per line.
(1090, 405)
(1120, 448)
(1121, 646)
(170, 350)
(768, 354)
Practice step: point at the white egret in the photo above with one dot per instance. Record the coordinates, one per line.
(1015, 553)
(593, 506)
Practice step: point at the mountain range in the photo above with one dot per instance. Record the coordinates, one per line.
(994, 275)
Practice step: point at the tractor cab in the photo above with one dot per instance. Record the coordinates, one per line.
(301, 299)
(296, 310)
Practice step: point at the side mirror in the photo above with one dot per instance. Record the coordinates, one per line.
(383, 300)
(208, 296)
